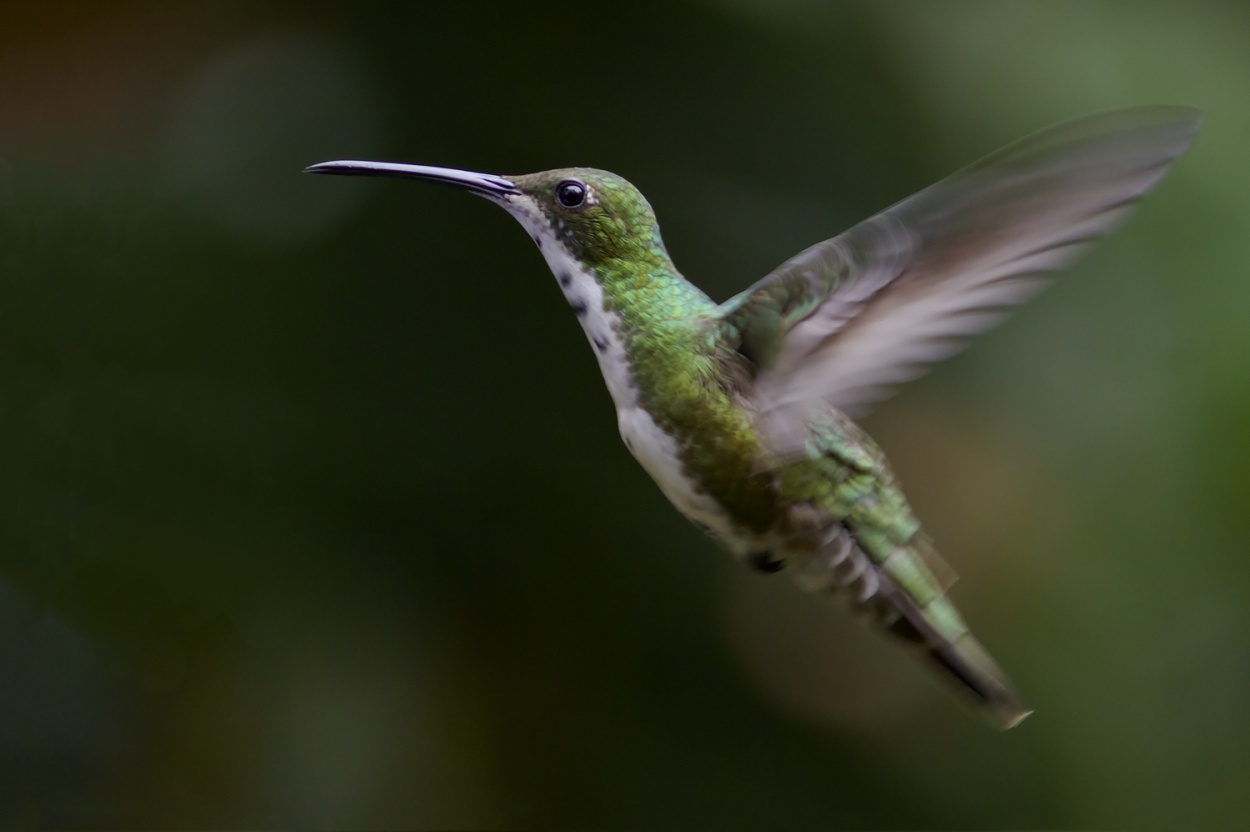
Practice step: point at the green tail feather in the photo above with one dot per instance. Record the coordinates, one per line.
(967, 662)
(961, 660)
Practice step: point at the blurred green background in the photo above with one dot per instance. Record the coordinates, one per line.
(312, 507)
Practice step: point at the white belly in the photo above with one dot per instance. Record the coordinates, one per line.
(657, 452)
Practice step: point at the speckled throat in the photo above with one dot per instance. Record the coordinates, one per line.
(679, 392)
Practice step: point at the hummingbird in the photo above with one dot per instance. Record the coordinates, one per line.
(742, 411)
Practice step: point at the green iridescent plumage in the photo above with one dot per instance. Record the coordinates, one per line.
(741, 411)
(693, 368)
(687, 376)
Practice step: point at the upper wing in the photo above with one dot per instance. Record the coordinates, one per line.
(848, 319)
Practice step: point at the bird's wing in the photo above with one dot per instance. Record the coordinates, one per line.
(850, 318)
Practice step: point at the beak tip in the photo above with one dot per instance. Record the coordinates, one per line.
(328, 168)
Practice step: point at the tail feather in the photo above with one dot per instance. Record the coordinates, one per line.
(902, 594)
(962, 661)
(970, 665)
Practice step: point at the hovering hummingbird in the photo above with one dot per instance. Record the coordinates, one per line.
(741, 411)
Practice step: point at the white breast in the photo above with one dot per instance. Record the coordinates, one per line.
(654, 449)
(657, 453)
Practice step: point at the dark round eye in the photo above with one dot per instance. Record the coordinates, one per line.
(570, 193)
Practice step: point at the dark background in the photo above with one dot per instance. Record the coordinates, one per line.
(312, 507)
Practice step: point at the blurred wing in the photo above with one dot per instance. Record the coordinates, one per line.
(850, 318)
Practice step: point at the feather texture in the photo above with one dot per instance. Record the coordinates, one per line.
(848, 319)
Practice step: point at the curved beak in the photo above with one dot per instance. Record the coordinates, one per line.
(482, 184)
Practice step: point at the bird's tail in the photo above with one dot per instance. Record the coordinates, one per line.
(973, 671)
(904, 593)
(945, 642)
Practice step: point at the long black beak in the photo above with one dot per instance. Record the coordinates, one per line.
(483, 184)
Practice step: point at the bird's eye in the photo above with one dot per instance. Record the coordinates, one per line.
(570, 193)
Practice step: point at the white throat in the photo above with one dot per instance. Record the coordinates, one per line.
(656, 450)
(585, 297)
